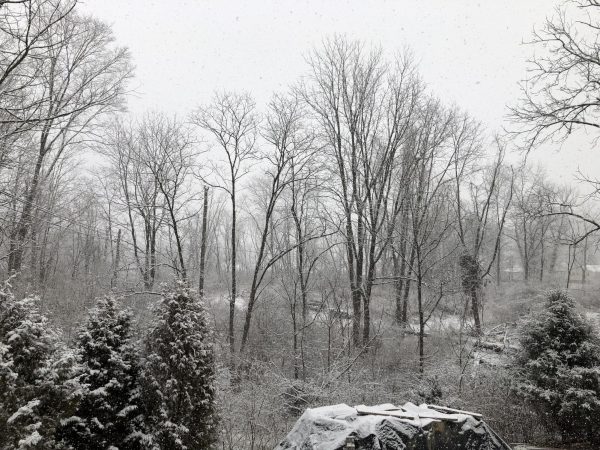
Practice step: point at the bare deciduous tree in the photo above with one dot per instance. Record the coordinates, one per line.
(83, 77)
(166, 153)
(291, 148)
(490, 193)
(364, 111)
(562, 92)
(430, 212)
(232, 120)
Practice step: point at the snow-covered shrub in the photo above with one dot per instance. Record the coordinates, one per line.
(431, 390)
(179, 374)
(35, 391)
(559, 369)
(108, 413)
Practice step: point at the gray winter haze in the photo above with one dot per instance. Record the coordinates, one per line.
(474, 54)
(311, 225)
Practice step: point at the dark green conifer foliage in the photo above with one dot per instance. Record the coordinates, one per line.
(108, 414)
(560, 369)
(35, 391)
(179, 374)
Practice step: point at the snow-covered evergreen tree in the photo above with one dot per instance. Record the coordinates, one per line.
(179, 374)
(34, 389)
(560, 369)
(108, 414)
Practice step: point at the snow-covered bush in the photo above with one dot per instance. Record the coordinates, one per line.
(108, 414)
(35, 391)
(179, 374)
(559, 369)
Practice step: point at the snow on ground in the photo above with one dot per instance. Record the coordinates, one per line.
(241, 303)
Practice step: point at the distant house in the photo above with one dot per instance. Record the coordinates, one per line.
(512, 272)
(593, 268)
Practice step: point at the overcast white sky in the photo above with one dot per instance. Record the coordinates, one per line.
(469, 52)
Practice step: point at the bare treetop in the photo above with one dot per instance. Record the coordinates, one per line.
(562, 91)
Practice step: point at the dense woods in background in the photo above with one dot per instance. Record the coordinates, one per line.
(355, 239)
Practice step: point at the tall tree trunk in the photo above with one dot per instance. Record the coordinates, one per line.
(117, 262)
(542, 262)
(407, 288)
(354, 291)
(526, 253)
(152, 274)
(584, 265)
(358, 294)
(43, 263)
(421, 321)
(136, 255)
(296, 358)
(398, 288)
(18, 237)
(400, 269)
(147, 252)
(203, 243)
(571, 263)
(233, 272)
(498, 263)
(475, 310)
(34, 252)
(256, 278)
(178, 242)
(301, 276)
(368, 290)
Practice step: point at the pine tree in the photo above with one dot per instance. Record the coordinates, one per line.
(179, 375)
(108, 413)
(560, 369)
(34, 389)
